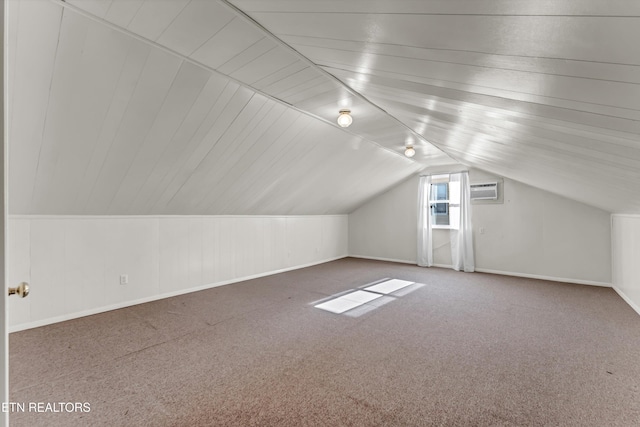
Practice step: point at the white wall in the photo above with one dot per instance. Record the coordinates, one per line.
(73, 264)
(386, 226)
(625, 246)
(533, 233)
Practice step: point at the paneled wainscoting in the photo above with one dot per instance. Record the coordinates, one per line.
(74, 263)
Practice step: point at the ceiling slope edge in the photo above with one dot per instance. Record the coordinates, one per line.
(418, 139)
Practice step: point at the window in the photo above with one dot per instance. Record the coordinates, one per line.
(439, 203)
(444, 202)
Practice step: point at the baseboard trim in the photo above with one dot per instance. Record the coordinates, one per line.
(626, 299)
(503, 273)
(84, 313)
(402, 261)
(443, 266)
(124, 304)
(550, 278)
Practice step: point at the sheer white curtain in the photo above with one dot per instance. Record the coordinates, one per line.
(425, 242)
(462, 257)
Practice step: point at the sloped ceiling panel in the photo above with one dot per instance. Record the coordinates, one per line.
(547, 93)
(221, 38)
(162, 106)
(102, 122)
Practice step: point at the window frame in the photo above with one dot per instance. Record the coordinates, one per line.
(442, 179)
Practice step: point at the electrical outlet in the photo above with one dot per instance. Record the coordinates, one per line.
(124, 279)
(482, 230)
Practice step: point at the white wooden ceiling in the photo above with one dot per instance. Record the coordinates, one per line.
(209, 107)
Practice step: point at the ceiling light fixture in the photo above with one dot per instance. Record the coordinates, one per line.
(345, 119)
(409, 151)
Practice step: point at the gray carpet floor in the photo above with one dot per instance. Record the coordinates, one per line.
(465, 349)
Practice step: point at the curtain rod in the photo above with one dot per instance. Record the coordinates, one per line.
(444, 173)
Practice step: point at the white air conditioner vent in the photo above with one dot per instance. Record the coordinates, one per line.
(484, 191)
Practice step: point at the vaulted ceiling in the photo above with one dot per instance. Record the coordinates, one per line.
(216, 107)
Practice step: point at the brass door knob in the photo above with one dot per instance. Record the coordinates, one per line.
(22, 290)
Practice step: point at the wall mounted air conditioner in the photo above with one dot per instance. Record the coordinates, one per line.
(484, 191)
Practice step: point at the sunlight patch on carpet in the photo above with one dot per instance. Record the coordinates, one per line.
(348, 301)
(354, 303)
(388, 286)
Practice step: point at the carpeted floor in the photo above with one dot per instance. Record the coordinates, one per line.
(462, 350)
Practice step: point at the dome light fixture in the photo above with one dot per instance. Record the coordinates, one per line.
(409, 151)
(345, 119)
